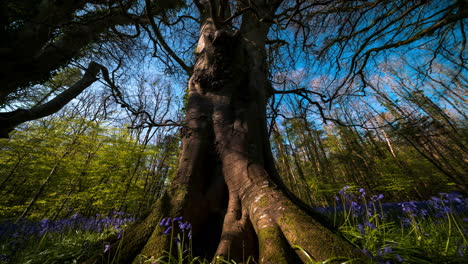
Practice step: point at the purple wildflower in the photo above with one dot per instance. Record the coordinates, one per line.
(363, 192)
(399, 258)
(409, 208)
(106, 248)
(369, 224)
(344, 190)
(376, 198)
(165, 221)
(167, 230)
(367, 253)
(185, 226)
(387, 250)
(405, 221)
(361, 228)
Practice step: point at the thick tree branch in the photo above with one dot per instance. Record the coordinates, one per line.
(33, 51)
(9, 120)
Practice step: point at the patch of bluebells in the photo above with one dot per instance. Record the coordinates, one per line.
(20, 232)
(184, 227)
(384, 256)
(367, 213)
(363, 207)
(98, 223)
(178, 229)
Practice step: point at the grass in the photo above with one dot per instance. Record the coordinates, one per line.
(65, 241)
(431, 231)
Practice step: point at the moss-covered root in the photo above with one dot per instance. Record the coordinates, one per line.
(134, 238)
(276, 218)
(125, 249)
(273, 247)
(154, 248)
(157, 244)
(318, 241)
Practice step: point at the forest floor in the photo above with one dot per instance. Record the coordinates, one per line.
(433, 231)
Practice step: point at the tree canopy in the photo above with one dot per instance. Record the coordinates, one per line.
(336, 44)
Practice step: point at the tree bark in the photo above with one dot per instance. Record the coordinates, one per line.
(226, 179)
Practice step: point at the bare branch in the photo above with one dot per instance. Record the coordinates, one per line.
(162, 41)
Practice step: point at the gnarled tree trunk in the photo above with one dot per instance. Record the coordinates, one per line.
(225, 184)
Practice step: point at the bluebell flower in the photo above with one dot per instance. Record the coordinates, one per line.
(376, 198)
(367, 253)
(363, 192)
(344, 190)
(423, 213)
(177, 219)
(167, 230)
(361, 228)
(409, 208)
(44, 222)
(355, 206)
(106, 248)
(405, 221)
(119, 234)
(165, 221)
(185, 226)
(399, 258)
(369, 224)
(387, 250)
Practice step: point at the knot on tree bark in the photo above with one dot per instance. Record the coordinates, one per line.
(222, 60)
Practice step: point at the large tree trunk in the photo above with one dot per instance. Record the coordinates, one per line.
(226, 184)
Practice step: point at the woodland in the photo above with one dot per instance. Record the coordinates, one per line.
(233, 131)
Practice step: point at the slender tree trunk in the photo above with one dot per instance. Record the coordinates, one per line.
(11, 173)
(38, 193)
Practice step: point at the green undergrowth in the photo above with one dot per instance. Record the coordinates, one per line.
(60, 248)
(409, 232)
